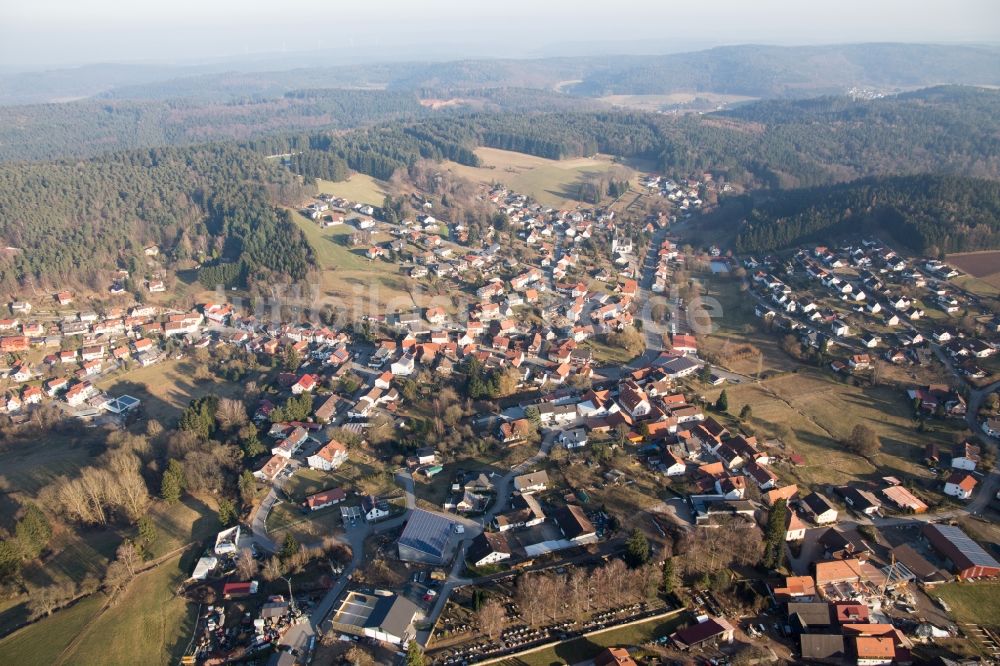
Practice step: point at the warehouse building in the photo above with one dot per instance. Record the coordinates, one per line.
(427, 538)
(967, 556)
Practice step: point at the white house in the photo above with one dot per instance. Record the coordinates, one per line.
(529, 483)
(960, 485)
(331, 456)
(374, 508)
(573, 439)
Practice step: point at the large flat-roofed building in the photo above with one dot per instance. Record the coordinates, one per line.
(967, 556)
(387, 618)
(426, 538)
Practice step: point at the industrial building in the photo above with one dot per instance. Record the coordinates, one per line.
(427, 538)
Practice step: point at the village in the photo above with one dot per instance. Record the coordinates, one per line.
(574, 424)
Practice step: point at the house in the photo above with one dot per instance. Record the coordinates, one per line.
(965, 456)
(573, 439)
(525, 511)
(331, 456)
(960, 484)
(860, 500)
(272, 468)
(326, 498)
(873, 650)
(708, 631)
(574, 524)
(786, 493)
(809, 616)
(904, 499)
(515, 432)
(529, 483)
(822, 648)
(819, 508)
(403, 367)
(966, 556)
(634, 400)
(305, 384)
(488, 548)
(799, 588)
(675, 466)
(614, 656)
(374, 509)
(795, 529)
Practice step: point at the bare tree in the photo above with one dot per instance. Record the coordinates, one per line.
(43, 600)
(246, 565)
(528, 600)
(358, 656)
(129, 556)
(272, 569)
(231, 414)
(492, 618)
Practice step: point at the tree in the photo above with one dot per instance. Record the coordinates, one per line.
(636, 549)
(532, 414)
(289, 547)
(863, 442)
(147, 533)
(722, 404)
(746, 412)
(227, 512)
(668, 580)
(32, 532)
(246, 565)
(358, 656)
(248, 487)
(774, 535)
(491, 618)
(414, 654)
(172, 484)
(43, 600)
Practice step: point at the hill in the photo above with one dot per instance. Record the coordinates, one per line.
(72, 224)
(930, 214)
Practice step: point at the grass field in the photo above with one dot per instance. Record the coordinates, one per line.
(811, 411)
(973, 603)
(700, 101)
(365, 287)
(41, 644)
(166, 388)
(359, 188)
(587, 647)
(550, 182)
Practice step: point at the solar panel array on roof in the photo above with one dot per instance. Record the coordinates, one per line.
(427, 532)
(972, 551)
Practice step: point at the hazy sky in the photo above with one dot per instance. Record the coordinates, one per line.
(84, 31)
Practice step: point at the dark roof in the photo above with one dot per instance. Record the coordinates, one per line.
(393, 615)
(427, 532)
(699, 633)
(835, 539)
(817, 503)
(958, 547)
(486, 544)
(822, 646)
(809, 614)
(917, 564)
(573, 521)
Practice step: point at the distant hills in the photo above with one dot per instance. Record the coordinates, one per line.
(755, 71)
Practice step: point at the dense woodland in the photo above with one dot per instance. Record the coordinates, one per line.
(930, 214)
(72, 224)
(775, 144)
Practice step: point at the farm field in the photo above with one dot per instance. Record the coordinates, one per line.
(973, 603)
(350, 278)
(806, 410)
(166, 388)
(550, 182)
(679, 100)
(359, 188)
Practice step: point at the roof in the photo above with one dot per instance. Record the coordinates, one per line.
(427, 532)
(614, 656)
(817, 503)
(868, 647)
(573, 521)
(821, 646)
(917, 563)
(903, 498)
(701, 632)
(533, 479)
(837, 571)
(393, 615)
(963, 480)
(488, 543)
(785, 493)
(326, 496)
(810, 613)
(958, 547)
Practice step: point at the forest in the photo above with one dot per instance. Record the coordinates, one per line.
(213, 204)
(929, 214)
